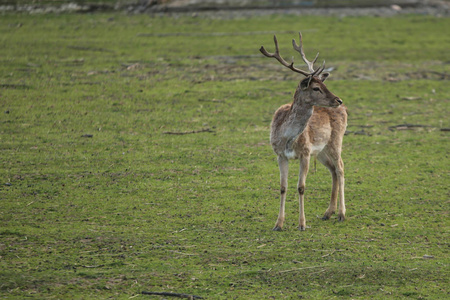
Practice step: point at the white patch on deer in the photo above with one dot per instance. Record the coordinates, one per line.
(290, 154)
(316, 149)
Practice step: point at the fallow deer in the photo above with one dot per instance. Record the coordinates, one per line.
(313, 124)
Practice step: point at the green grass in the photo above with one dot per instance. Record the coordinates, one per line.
(133, 209)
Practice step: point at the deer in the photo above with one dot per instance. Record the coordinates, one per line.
(312, 125)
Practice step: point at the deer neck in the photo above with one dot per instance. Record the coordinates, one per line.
(296, 122)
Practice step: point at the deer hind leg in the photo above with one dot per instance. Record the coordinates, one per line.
(340, 179)
(325, 160)
(304, 166)
(283, 164)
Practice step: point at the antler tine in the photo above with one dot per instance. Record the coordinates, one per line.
(319, 70)
(315, 59)
(264, 51)
(299, 48)
(278, 57)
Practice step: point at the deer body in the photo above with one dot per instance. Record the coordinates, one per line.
(313, 124)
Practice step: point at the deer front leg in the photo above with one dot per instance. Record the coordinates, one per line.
(283, 164)
(304, 166)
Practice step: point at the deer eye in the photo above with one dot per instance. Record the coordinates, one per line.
(316, 89)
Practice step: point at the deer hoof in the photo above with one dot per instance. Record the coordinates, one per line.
(341, 218)
(327, 215)
(302, 227)
(277, 228)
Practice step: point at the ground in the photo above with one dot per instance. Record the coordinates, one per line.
(136, 157)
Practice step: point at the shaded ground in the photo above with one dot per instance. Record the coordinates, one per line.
(227, 9)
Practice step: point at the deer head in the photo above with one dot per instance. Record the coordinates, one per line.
(312, 89)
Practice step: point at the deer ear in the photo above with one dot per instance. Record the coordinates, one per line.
(324, 76)
(305, 83)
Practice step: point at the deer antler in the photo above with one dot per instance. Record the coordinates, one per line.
(299, 48)
(277, 56)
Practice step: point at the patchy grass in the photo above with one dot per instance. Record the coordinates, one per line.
(98, 201)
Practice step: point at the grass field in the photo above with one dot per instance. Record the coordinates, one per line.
(99, 200)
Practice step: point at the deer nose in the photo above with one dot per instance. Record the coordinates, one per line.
(338, 100)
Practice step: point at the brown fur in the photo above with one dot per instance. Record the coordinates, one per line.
(302, 129)
(314, 124)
